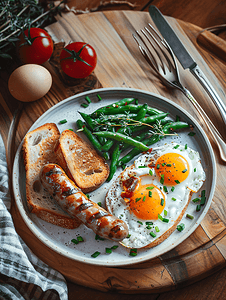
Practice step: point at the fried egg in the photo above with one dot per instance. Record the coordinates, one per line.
(152, 195)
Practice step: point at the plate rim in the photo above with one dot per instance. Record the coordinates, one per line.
(109, 263)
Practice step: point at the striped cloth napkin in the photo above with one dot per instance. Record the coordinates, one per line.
(22, 274)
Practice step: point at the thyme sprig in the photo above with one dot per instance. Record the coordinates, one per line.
(18, 15)
(126, 122)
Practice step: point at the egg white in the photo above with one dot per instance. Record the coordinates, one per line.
(176, 200)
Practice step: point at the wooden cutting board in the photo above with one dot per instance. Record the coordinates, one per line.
(120, 64)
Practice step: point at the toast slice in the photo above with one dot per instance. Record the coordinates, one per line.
(38, 149)
(81, 162)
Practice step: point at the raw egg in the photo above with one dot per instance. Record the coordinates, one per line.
(29, 82)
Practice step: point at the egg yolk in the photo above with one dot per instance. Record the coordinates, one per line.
(147, 202)
(172, 168)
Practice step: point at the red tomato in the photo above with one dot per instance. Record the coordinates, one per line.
(78, 60)
(35, 46)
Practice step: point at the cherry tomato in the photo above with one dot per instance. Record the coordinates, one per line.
(35, 46)
(78, 60)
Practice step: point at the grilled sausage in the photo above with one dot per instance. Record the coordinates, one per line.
(76, 203)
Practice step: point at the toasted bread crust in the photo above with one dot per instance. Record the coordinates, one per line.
(81, 162)
(38, 149)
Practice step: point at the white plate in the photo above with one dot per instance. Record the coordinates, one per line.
(59, 239)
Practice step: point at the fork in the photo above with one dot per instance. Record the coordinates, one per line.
(163, 61)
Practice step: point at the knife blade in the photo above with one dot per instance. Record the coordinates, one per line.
(185, 58)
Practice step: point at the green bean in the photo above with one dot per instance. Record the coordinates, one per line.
(93, 139)
(154, 139)
(115, 117)
(139, 138)
(90, 121)
(114, 160)
(142, 112)
(135, 151)
(92, 125)
(111, 110)
(124, 102)
(134, 128)
(122, 138)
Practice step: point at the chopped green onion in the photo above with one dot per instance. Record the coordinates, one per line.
(99, 97)
(160, 217)
(140, 222)
(174, 199)
(88, 99)
(177, 146)
(95, 254)
(63, 121)
(152, 234)
(158, 166)
(150, 172)
(165, 189)
(80, 239)
(75, 241)
(162, 179)
(162, 202)
(99, 203)
(189, 216)
(184, 171)
(142, 167)
(97, 237)
(203, 200)
(137, 199)
(149, 188)
(180, 227)
(203, 197)
(163, 164)
(149, 227)
(114, 247)
(136, 102)
(165, 212)
(169, 165)
(144, 198)
(133, 252)
(177, 181)
(149, 223)
(191, 133)
(172, 188)
(194, 169)
(186, 147)
(198, 207)
(157, 229)
(108, 250)
(150, 194)
(165, 220)
(196, 200)
(84, 105)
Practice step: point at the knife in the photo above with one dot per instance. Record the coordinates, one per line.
(185, 58)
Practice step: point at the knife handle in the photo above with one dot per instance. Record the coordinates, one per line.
(213, 130)
(199, 75)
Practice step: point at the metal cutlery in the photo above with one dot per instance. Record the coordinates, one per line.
(185, 58)
(160, 57)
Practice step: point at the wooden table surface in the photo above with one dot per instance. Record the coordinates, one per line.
(201, 254)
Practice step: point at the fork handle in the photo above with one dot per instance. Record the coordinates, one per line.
(200, 76)
(215, 133)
